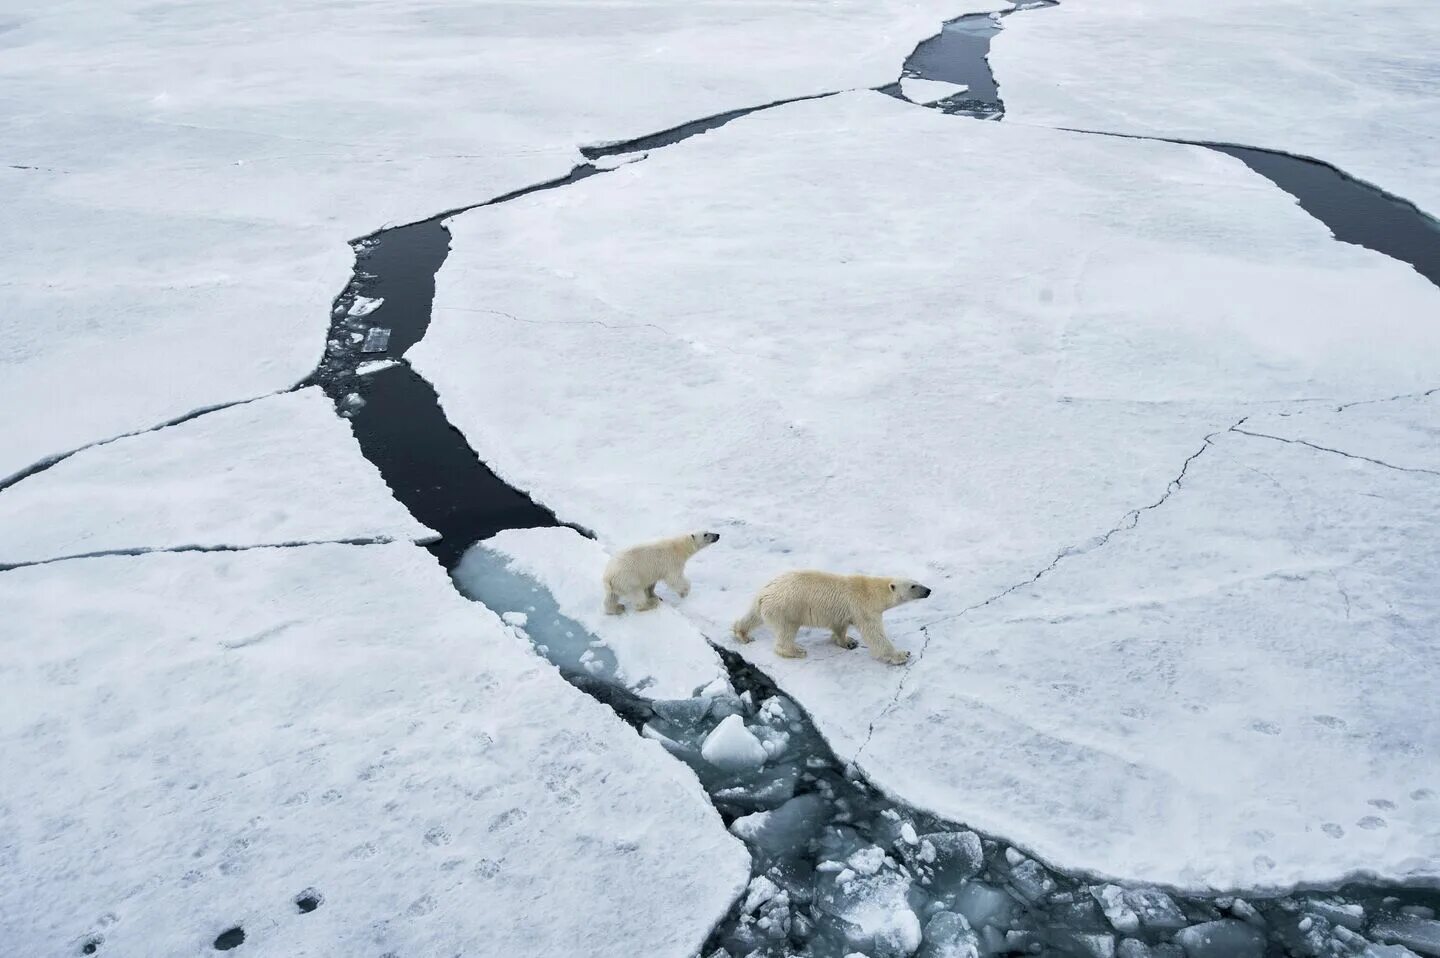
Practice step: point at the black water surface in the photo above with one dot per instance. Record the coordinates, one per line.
(1354, 211)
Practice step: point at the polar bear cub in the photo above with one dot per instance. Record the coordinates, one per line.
(827, 601)
(636, 570)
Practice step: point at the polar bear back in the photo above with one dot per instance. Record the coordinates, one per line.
(824, 599)
(644, 565)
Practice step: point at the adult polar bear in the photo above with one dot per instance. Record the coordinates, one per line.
(635, 571)
(827, 601)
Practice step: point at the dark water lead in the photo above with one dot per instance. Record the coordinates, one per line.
(960, 53)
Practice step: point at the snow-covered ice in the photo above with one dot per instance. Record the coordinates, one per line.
(731, 747)
(764, 332)
(657, 653)
(193, 176)
(192, 741)
(282, 469)
(918, 90)
(1351, 84)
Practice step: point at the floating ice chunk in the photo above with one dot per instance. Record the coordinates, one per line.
(957, 855)
(907, 834)
(377, 340)
(1226, 938)
(617, 160)
(983, 905)
(875, 912)
(1133, 948)
(1417, 934)
(867, 861)
(1030, 880)
(1092, 945)
(517, 619)
(1346, 914)
(364, 306)
(948, 935)
(732, 748)
(374, 366)
(1155, 909)
(761, 891)
(1117, 910)
(926, 92)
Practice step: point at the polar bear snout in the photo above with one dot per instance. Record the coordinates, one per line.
(712, 537)
(907, 591)
(703, 539)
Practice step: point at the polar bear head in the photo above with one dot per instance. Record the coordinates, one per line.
(904, 590)
(703, 539)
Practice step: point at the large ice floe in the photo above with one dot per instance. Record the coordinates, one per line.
(328, 751)
(283, 469)
(1349, 83)
(803, 331)
(180, 180)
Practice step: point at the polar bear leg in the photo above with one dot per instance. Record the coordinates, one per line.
(651, 599)
(742, 627)
(612, 602)
(785, 640)
(841, 639)
(677, 582)
(880, 647)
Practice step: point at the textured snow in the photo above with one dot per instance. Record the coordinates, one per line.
(1351, 84)
(657, 653)
(765, 332)
(195, 169)
(192, 741)
(1403, 432)
(278, 470)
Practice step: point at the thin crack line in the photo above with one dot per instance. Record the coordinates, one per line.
(40, 466)
(148, 550)
(1127, 522)
(1338, 452)
(1366, 402)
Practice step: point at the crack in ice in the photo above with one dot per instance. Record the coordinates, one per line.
(1338, 452)
(152, 550)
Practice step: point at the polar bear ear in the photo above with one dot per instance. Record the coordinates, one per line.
(892, 587)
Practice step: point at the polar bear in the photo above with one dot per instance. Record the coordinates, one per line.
(827, 601)
(635, 570)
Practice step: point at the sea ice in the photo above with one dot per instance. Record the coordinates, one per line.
(1158, 703)
(657, 653)
(192, 742)
(1349, 84)
(1226, 938)
(213, 215)
(277, 470)
(926, 92)
(731, 747)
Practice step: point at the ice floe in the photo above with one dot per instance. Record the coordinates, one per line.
(330, 750)
(283, 469)
(767, 332)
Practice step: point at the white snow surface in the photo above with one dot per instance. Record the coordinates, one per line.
(1349, 83)
(192, 741)
(658, 654)
(922, 91)
(764, 332)
(180, 180)
(283, 469)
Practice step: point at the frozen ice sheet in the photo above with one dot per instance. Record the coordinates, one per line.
(659, 654)
(765, 332)
(181, 233)
(277, 470)
(192, 742)
(1351, 84)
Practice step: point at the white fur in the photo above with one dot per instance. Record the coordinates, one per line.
(634, 572)
(823, 600)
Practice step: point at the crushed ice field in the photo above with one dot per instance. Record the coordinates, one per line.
(1117, 325)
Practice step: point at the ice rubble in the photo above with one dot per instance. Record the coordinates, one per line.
(278, 470)
(195, 742)
(1351, 84)
(766, 331)
(177, 225)
(921, 91)
(657, 653)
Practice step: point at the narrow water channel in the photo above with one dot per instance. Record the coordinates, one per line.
(839, 869)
